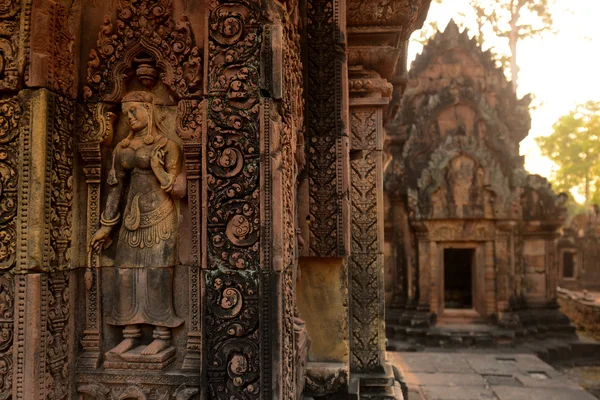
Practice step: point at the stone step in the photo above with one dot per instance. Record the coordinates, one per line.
(380, 393)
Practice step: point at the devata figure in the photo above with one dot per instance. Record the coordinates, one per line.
(147, 162)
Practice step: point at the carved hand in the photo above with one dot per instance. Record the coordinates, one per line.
(157, 161)
(101, 237)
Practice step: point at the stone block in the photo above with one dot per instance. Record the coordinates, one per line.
(322, 303)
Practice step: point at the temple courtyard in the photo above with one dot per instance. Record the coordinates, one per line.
(492, 375)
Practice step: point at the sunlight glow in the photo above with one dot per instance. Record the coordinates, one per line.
(559, 70)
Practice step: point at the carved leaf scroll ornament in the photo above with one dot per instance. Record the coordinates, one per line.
(10, 114)
(233, 143)
(6, 334)
(231, 326)
(9, 45)
(142, 29)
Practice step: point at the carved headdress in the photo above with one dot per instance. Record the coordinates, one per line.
(147, 101)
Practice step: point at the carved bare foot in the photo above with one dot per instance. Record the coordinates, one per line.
(155, 347)
(124, 346)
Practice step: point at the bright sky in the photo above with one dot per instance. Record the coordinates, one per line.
(561, 70)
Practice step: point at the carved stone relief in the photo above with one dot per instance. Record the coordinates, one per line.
(144, 99)
(366, 261)
(236, 323)
(142, 40)
(147, 241)
(7, 313)
(10, 115)
(59, 340)
(54, 135)
(327, 155)
(52, 50)
(440, 172)
(396, 13)
(191, 123)
(232, 333)
(233, 138)
(12, 42)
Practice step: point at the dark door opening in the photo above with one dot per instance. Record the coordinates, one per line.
(458, 278)
(568, 265)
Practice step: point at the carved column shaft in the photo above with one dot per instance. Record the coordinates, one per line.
(43, 291)
(95, 126)
(326, 130)
(248, 247)
(191, 126)
(366, 260)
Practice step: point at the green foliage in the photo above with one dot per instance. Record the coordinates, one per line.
(574, 146)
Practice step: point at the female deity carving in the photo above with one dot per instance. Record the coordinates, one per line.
(147, 163)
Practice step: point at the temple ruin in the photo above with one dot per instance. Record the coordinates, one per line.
(579, 251)
(470, 237)
(192, 197)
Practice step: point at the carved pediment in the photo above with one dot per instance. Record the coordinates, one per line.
(461, 177)
(453, 68)
(145, 42)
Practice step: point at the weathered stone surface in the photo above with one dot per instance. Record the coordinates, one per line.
(176, 130)
(579, 252)
(456, 184)
(322, 301)
(493, 375)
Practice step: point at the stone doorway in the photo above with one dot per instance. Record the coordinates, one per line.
(458, 293)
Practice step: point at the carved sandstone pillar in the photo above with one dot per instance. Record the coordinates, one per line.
(367, 340)
(37, 83)
(328, 208)
(254, 111)
(376, 32)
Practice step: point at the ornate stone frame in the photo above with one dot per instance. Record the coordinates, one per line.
(96, 120)
(477, 279)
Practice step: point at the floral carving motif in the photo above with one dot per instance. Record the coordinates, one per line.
(325, 128)
(11, 48)
(10, 115)
(61, 178)
(365, 264)
(7, 301)
(58, 336)
(143, 29)
(232, 333)
(233, 139)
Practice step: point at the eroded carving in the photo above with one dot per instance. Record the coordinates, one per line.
(327, 152)
(12, 51)
(365, 262)
(232, 334)
(7, 310)
(10, 115)
(233, 138)
(142, 41)
(149, 163)
(59, 314)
